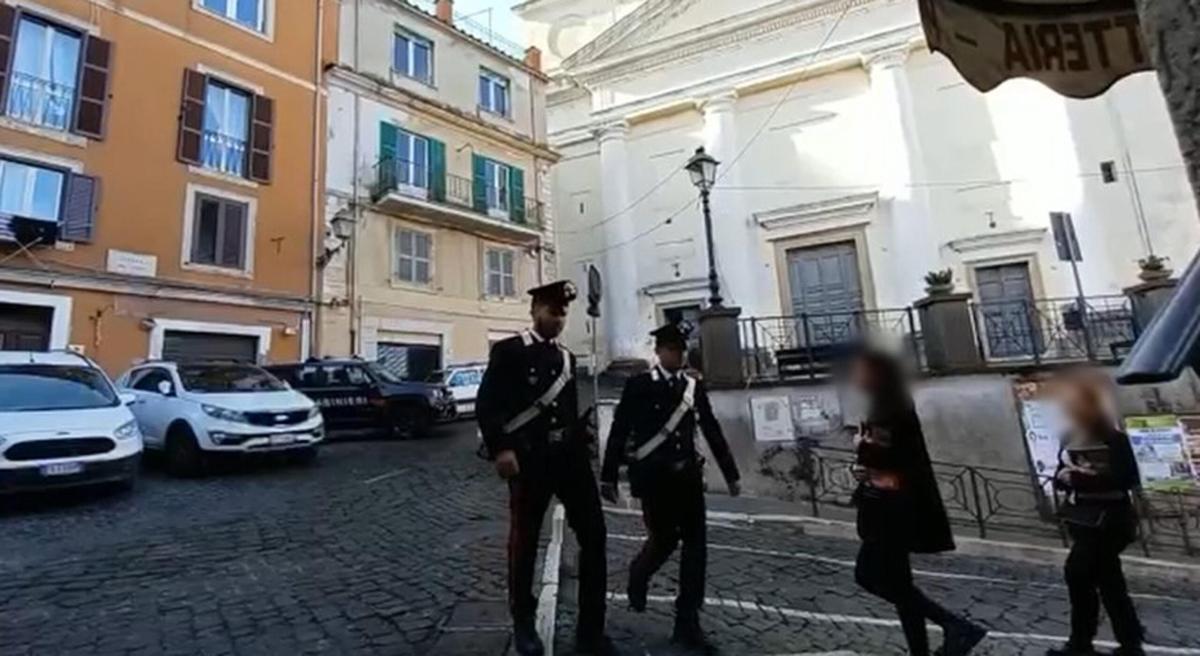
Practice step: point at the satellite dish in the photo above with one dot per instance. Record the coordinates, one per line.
(595, 291)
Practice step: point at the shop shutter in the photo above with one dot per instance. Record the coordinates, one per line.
(437, 169)
(262, 134)
(179, 346)
(91, 104)
(79, 209)
(516, 194)
(8, 35)
(478, 183)
(191, 117)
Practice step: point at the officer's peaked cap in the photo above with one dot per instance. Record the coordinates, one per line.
(672, 334)
(561, 292)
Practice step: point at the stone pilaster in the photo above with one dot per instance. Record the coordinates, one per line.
(620, 260)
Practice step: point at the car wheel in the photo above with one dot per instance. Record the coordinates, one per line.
(183, 455)
(410, 421)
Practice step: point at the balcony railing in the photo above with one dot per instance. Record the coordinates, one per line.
(406, 178)
(40, 102)
(1098, 329)
(223, 153)
(808, 345)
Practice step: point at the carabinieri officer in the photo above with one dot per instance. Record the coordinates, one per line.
(528, 412)
(654, 431)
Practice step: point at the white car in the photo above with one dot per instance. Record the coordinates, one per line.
(63, 424)
(463, 382)
(190, 411)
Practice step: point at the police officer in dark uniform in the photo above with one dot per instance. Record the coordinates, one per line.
(654, 432)
(528, 412)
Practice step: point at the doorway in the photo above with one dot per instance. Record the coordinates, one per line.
(25, 327)
(1007, 314)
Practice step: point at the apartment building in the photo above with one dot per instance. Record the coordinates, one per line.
(159, 177)
(438, 181)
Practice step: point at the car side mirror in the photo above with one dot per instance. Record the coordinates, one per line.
(166, 388)
(127, 398)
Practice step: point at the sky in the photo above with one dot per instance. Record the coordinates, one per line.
(503, 21)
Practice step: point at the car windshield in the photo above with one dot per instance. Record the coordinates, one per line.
(383, 374)
(29, 388)
(226, 379)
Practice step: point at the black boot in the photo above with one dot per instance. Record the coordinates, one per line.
(1130, 650)
(688, 633)
(597, 645)
(962, 637)
(526, 640)
(1072, 649)
(637, 595)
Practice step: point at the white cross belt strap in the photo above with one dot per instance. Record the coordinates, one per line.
(681, 411)
(545, 399)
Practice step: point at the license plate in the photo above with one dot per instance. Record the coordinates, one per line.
(62, 469)
(466, 408)
(278, 440)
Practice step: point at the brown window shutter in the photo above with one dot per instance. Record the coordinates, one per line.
(191, 117)
(262, 134)
(92, 102)
(79, 208)
(8, 36)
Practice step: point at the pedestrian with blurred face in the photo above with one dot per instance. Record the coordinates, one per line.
(900, 509)
(1099, 473)
(654, 433)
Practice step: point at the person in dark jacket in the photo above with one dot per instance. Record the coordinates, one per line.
(528, 413)
(654, 432)
(1098, 471)
(900, 509)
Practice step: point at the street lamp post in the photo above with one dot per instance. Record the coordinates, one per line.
(703, 169)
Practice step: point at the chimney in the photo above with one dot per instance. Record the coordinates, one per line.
(445, 11)
(533, 58)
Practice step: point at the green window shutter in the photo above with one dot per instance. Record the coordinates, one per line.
(437, 169)
(388, 135)
(478, 184)
(516, 194)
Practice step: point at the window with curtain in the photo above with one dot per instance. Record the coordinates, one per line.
(413, 57)
(500, 266)
(29, 190)
(493, 92)
(45, 67)
(226, 128)
(413, 256)
(412, 159)
(497, 177)
(250, 13)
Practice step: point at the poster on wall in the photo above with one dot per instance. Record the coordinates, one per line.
(772, 417)
(1044, 426)
(1191, 442)
(1158, 445)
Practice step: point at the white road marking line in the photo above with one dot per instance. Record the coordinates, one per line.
(836, 618)
(547, 609)
(799, 555)
(383, 477)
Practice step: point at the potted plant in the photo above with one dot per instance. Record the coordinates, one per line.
(939, 283)
(1153, 267)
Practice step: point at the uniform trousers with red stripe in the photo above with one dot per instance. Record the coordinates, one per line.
(563, 471)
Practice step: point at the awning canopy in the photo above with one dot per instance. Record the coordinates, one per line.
(1079, 48)
(1170, 342)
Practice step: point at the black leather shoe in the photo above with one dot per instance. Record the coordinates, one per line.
(637, 596)
(600, 645)
(688, 634)
(526, 640)
(1134, 650)
(962, 637)
(1071, 650)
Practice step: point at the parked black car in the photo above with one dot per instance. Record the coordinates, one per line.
(356, 396)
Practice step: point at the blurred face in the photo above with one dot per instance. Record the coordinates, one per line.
(549, 319)
(1084, 406)
(671, 357)
(861, 375)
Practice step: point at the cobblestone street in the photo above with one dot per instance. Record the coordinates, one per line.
(397, 548)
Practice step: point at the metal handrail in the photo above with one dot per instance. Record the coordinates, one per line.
(224, 153)
(405, 177)
(38, 101)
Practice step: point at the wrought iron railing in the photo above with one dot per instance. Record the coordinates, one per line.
(224, 153)
(986, 501)
(407, 178)
(1094, 328)
(808, 345)
(40, 102)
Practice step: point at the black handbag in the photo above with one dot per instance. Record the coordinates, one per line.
(1086, 516)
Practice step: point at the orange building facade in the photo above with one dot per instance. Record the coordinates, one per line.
(159, 176)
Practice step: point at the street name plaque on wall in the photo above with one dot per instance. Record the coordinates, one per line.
(1078, 48)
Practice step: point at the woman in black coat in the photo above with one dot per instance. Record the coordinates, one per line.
(1098, 471)
(900, 509)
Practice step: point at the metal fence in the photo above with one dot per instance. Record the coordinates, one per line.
(1095, 328)
(986, 501)
(808, 345)
(406, 178)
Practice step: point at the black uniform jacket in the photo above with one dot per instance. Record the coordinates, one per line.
(519, 371)
(898, 446)
(647, 402)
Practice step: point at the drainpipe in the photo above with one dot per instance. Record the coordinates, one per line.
(318, 219)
